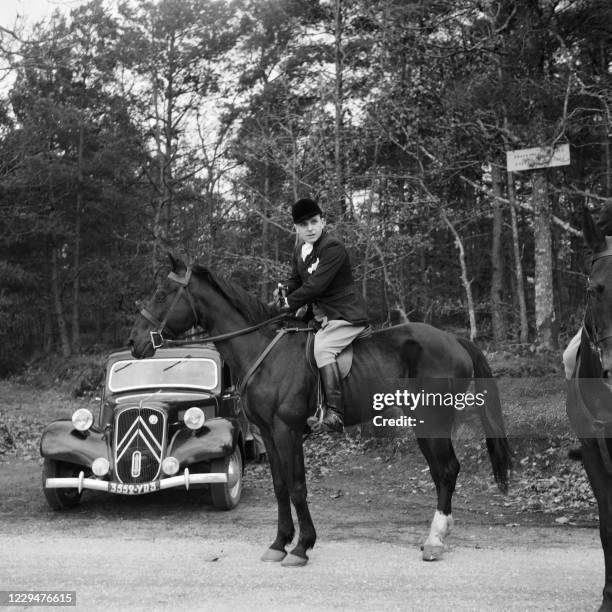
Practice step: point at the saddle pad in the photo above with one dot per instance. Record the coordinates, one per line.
(344, 359)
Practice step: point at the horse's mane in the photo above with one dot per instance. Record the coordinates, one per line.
(250, 307)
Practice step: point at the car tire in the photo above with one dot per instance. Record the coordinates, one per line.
(60, 499)
(226, 495)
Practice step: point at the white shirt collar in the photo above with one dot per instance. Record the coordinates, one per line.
(306, 250)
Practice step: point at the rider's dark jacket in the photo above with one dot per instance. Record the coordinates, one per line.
(325, 279)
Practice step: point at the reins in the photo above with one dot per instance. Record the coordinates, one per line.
(228, 335)
(158, 340)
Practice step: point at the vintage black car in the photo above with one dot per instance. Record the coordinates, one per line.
(173, 420)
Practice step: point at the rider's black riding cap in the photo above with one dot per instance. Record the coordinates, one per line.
(304, 209)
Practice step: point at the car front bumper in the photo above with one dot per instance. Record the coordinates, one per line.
(183, 480)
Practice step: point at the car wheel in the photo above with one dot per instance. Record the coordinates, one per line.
(226, 495)
(59, 499)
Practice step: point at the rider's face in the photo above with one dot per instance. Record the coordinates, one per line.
(311, 229)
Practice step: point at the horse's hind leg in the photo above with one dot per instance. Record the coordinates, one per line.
(444, 469)
(285, 529)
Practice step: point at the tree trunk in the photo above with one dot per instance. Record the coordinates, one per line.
(605, 129)
(159, 197)
(47, 341)
(467, 284)
(544, 303)
(57, 305)
(339, 204)
(166, 185)
(498, 319)
(265, 238)
(518, 265)
(368, 245)
(76, 264)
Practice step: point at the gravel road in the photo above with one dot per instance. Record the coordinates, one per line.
(173, 551)
(121, 567)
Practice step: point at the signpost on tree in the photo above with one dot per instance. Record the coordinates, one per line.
(536, 159)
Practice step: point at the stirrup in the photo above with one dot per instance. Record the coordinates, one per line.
(319, 424)
(315, 422)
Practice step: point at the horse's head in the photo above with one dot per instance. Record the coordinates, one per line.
(169, 312)
(598, 317)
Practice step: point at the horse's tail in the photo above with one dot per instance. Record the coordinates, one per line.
(491, 415)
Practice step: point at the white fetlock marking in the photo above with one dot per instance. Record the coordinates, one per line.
(441, 526)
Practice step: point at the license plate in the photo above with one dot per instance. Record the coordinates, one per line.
(133, 489)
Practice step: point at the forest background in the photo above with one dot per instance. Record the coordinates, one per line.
(131, 129)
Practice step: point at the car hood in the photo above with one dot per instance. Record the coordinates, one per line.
(164, 398)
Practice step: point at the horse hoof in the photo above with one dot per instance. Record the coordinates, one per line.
(294, 561)
(273, 555)
(432, 553)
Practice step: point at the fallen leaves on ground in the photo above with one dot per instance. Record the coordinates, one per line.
(20, 436)
(544, 480)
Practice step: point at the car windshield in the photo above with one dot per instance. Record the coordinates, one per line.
(191, 373)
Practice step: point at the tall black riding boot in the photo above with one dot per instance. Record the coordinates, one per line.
(332, 383)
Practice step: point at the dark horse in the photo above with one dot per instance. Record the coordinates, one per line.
(589, 400)
(280, 390)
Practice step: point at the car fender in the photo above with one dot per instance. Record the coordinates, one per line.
(62, 442)
(217, 438)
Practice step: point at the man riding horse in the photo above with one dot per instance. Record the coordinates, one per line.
(276, 379)
(322, 277)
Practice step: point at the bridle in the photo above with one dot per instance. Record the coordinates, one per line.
(597, 337)
(157, 337)
(158, 340)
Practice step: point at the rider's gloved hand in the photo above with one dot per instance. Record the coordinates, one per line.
(301, 312)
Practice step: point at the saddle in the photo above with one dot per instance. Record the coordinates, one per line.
(344, 359)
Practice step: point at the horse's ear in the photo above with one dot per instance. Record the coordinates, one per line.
(178, 266)
(592, 235)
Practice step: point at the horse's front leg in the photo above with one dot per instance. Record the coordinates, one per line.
(285, 528)
(289, 445)
(444, 469)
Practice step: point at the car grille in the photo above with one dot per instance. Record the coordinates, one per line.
(140, 440)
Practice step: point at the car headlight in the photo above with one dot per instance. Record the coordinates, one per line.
(194, 418)
(82, 419)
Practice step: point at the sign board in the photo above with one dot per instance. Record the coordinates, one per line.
(537, 157)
